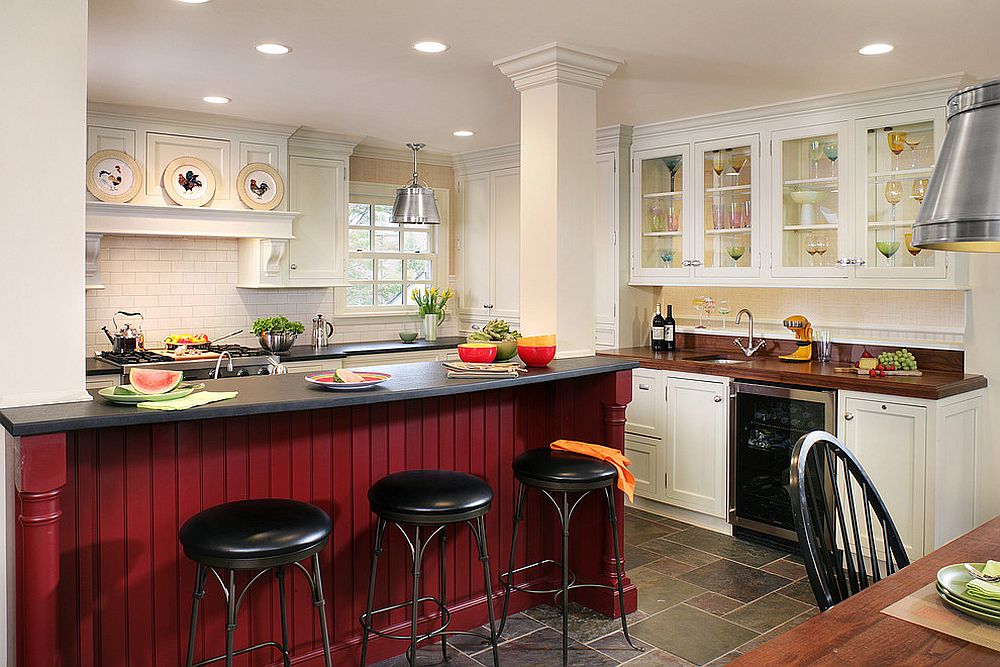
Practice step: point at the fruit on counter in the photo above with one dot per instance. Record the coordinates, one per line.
(499, 332)
(344, 375)
(278, 324)
(867, 363)
(900, 360)
(154, 381)
(186, 339)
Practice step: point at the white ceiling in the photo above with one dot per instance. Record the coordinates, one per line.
(352, 68)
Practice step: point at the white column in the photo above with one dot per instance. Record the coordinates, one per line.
(558, 86)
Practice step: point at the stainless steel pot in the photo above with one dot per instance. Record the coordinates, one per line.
(277, 342)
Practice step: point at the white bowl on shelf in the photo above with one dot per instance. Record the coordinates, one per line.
(806, 196)
(830, 216)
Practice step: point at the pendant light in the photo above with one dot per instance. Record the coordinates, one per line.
(961, 211)
(415, 203)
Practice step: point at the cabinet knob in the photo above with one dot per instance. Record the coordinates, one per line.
(644, 387)
(293, 267)
(885, 407)
(848, 416)
(860, 261)
(717, 399)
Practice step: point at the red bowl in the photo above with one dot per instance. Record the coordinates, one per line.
(477, 353)
(536, 355)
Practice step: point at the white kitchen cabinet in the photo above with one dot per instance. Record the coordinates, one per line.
(645, 415)
(606, 253)
(316, 366)
(644, 455)
(102, 381)
(694, 464)
(489, 246)
(317, 189)
(371, 360)
(926, 459)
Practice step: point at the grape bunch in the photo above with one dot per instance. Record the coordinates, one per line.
(900, 360)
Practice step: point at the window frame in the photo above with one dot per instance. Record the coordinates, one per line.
(385, 194)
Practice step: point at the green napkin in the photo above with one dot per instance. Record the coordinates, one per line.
(189, 401)
(978, 588)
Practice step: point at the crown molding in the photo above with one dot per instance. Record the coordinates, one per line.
(309, 142)
(377, 152)
(556, 62)
(614, 138)
(99, 113)
(921, 90)
(488, 159)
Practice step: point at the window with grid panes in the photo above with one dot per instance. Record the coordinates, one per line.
(386, 261)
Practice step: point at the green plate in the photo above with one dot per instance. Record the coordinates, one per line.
(967, 602)
(133, 399)
(953, 579)
(967, 610)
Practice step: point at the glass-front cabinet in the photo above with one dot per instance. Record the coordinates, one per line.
(726, 220)
(896, 157)
(660, 178)
(810, 202)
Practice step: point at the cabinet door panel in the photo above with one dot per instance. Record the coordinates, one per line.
(695, 445)
(662, 245)
(644, 453)
(644, 415)
(889, 440)
(475, 250)
(316, 190)
(506, 202)
(605, 250)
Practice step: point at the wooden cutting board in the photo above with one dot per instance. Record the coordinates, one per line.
(191, 355)
(861, 371)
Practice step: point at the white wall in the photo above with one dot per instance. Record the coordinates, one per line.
(43, 110)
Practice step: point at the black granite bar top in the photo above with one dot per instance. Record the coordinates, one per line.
(336, 351)
(287, 393)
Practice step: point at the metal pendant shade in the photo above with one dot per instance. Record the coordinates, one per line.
(961, 211)
(415, 203)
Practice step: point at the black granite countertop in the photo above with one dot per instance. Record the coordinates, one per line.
(336, 351)
(287, 393)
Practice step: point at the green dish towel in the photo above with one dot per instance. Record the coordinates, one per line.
(189, 401)
(984, 589)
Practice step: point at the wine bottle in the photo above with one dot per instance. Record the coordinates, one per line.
(669, 330)
(656, 339)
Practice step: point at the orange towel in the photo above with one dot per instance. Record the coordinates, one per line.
(626, 480)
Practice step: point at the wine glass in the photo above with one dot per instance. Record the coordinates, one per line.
(912, 140)
(893, 195)
(919, 189)
(888, 249)
(656, 218)
(673, 220)
(672, 163)
(815, 245)
(738, 161)
(667, 255)
(735, 252)
(747, 208)
(820, 246)
(724, 310)
(815, 155)
(736, 215)
(718, 217)
(718, 166)
(897, 143)
(699, 305)
(830, 151)
(709, 306)
(910, 248)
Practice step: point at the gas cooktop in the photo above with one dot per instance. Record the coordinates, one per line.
(133, 358)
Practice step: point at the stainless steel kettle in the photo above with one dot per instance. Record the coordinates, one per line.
(126, 339)
(321, 332)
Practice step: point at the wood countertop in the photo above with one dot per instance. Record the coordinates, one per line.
(933, 384)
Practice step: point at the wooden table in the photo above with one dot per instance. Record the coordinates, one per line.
(855, 632)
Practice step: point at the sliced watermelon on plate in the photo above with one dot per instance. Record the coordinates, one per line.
(154, 381)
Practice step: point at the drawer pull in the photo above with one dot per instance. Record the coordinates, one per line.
(848, 416)
(644, 387)
(717, 399)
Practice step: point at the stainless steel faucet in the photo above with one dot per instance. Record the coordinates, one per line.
(750, 347)
(218, 363)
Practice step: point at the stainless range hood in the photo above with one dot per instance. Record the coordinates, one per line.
(961, 211)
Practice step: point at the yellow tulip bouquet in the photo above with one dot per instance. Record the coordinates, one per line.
(432, 301)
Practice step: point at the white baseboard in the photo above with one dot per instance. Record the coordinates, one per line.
(680, 514)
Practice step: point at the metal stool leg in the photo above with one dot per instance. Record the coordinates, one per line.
(480, 532)
(565, 578)
(199, 593)
(444, 588)
(279, 573)
(415, 604)
(230, 617)
(613, 518)
(367, 618)
(518, 509)
(320, 603)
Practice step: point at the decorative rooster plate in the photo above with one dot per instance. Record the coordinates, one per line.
(260, 186)
(113, 176)
(188, 181)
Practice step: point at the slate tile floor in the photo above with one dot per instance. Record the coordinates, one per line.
(704, 599)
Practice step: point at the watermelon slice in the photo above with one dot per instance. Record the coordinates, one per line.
(153, 381)
(344, 375)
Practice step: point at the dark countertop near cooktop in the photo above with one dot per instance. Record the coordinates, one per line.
(931, 385)
(287, 393)
(335, 351)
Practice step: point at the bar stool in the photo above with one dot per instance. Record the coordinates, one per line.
(563, 473)
(266, 534)
(432, 500)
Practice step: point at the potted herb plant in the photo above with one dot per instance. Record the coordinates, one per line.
(277, 334)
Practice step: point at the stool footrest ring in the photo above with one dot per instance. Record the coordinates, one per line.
(523, 588)
(365, 619)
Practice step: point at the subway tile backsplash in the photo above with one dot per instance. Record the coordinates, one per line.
(189, 285)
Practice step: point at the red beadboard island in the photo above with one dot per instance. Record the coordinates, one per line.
(101, 491)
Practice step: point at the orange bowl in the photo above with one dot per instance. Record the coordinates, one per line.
(477, 353)
(536, 355)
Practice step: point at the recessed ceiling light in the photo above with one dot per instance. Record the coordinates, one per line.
(194, 2)
(430, 47)
(875, 49)
(273, 49)
(216, 99)
(463, 133)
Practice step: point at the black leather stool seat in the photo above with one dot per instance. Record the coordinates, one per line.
(430, 497)
(254, 534)
(563, 471)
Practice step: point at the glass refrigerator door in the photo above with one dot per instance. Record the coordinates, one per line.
(726, 219)
(899, 155)
(810, 202)
(659, 214)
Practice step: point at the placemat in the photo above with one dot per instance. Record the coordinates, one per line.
(925, 608)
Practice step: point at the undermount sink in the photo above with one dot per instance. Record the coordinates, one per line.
(720, 359)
